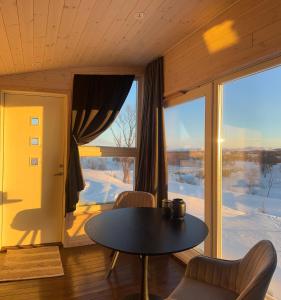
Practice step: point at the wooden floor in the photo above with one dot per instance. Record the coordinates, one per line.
(84, 277)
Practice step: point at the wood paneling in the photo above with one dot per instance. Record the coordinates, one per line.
(51, 34)
(246, 33)
(84, 279)
(58, 81)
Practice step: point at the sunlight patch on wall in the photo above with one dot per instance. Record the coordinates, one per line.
(221, 37)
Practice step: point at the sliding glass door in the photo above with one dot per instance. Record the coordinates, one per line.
(224, 159)
(185, 137)
(251, 165)
(185, 124)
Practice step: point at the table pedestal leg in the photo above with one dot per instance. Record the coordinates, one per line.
(144, 278)
(144, 294)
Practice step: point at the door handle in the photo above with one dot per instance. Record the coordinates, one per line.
(59, 174)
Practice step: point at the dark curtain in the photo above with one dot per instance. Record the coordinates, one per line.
(151, 162)
(97, 99)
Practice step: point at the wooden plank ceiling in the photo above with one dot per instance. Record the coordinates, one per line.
(50, 34)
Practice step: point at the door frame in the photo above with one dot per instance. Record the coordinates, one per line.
(207, 92)
(64, 98)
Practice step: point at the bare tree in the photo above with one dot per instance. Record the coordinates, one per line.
(124, 135)
(268, 160)
(252, 180)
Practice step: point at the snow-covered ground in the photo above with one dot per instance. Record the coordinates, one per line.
(248, 215)
(102, 186)
(243, 225)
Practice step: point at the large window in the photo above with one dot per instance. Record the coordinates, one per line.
(224, 160)
(185, 138)
(108, 162)
(251, 166)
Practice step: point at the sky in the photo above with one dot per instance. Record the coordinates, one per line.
(185, 125)
(251, 115)
(106, 138)
(252, 111)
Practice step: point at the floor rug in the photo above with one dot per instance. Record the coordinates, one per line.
(31, 263)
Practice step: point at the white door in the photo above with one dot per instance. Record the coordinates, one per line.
(33, 165)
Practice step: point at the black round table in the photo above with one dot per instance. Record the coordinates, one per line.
(145, 232)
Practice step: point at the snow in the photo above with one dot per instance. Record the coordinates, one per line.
(102, 186)
(248, 216)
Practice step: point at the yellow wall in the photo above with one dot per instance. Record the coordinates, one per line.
(247, 33)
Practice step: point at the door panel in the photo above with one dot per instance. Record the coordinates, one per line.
(188, 148)
(33, 180)
(185, 139)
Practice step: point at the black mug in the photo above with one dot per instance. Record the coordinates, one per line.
(178, 209)
(167, 207)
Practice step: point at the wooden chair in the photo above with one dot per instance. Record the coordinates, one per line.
(217, 279)
(130, 199)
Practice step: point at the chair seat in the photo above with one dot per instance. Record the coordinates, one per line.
(190, 289)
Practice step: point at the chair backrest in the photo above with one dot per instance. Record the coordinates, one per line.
(134, 199)
(255, 271)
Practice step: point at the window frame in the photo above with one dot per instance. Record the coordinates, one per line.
(105, 151)
(218, 119)
(205, 91)
(213, 91)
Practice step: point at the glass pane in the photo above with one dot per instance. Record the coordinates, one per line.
(34, 121)
(251, 167)
(105, 178)
(185, 138)
(122, 133)
(34, 161)
(34, 141)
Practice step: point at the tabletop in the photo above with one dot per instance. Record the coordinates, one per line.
(145, 231)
